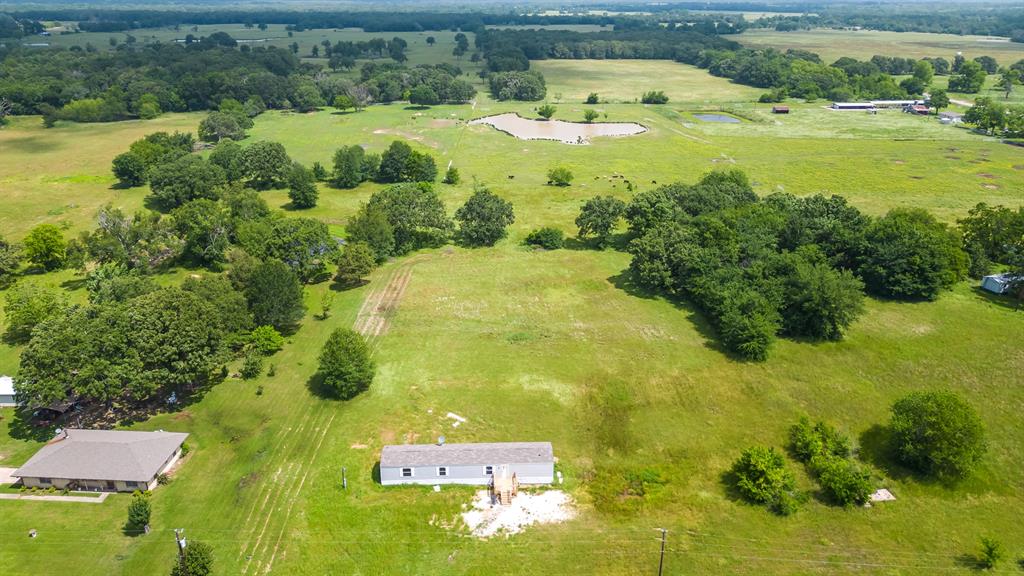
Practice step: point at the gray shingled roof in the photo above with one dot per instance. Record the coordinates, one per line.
(466, 454)
(103, 455)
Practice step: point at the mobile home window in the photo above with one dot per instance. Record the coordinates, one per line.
(442, 471)
(488, 470)
(406, 472)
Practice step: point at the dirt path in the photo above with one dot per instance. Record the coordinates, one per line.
(961, 102)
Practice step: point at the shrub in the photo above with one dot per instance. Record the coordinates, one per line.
(546, 111)
(45, 247)
(129, 169)
(598, 217)
(560, 176)
(548, 238)
(451, 176)
(592, 98)
(139, 510)
(589, 115)
(938, 433)
(266, 340)
(252, 365)
(345, 364)
(808, 441)
(761, 476)
(163, 480)
(991, 552)
(197, 561)
(844, 481)
(654, 97)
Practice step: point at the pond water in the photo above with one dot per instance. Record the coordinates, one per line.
(717, 118)
(565, 132)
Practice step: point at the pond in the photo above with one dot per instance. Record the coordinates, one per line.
(717, 118)
(564, 132)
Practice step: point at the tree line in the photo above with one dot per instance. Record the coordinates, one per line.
(781, 265)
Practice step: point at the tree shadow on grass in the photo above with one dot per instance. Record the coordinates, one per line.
(1000, 300)
(23, 428)
(316, 385)
(877, 449)
(73, 284)
(969, 561)
(337, 286)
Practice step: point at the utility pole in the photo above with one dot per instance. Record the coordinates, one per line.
(661, 559)
(180, 541)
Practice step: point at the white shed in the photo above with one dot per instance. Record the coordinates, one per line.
(998, 283)
(7, 392)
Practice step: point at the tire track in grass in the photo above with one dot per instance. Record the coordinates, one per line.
(298, 491)
(271, 489)
(285, 495)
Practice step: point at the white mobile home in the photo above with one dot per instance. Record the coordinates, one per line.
(475, 464)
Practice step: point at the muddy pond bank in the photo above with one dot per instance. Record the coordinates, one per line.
(565, 132)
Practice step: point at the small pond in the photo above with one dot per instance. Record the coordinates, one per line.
(565, 132)
(709, 117)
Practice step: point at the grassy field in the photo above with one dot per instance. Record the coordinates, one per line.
(863, 44)
(557, 346)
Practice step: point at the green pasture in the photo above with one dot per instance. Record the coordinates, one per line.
(559, 346)
(863, 44)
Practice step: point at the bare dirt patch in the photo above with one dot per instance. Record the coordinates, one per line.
(990, 187)
(558, 130)
(442, 123)
(486, 519)
(409, 136)
(986, 175)
(1018, 166)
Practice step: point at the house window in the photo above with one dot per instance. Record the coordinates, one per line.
(442, 470)
(488, 470)
(45, 480)
(406, 472)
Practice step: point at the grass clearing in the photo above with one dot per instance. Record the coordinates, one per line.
(557, 346)
(863, 44)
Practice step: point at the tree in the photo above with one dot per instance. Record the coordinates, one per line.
(185, 179)
(924, 71)
(252, 365)
(232, 309)
(546, 111)
(265, 164)
(266, 340)
(10, 261)
(818, 301)
(1007, 80)
(592, 98)
(430, 40)
(484, 218)
(139, 511)
(227, 154)
(197, 560)
(760, 475)
(598, 218)
(547, 238)
(938, 433)
(45, 247)
(909, 254)
(352, 166)
(968, 79)
(371, 226)
(654, 97)
(589, 115)
(129, 169)
(560, 176)
(302, 187)
(415, 213)
(275, 296)
(987, 63)
(938, 99)
(451, 176)
(304, 244)
(343, 101)
(27, 306)
(423, 95)
(218, 126)
(307, 97)
(345, 364)
(357, 260)
(400, 163)
(206, 227)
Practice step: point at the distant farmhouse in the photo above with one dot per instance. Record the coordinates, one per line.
(7, 398)
(951, 117)
(780, 109)
(477, 464)
(102, 460)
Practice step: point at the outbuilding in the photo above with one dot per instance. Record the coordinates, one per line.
(7, 396)
(853, 106)
(102, 460)
(475, 464)
(998, 283)
(780, 109)
(951, 117)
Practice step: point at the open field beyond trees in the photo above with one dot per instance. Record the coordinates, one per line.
(863, 44)
(554, 345)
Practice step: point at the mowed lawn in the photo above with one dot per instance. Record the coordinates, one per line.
(863, 44)
(559, 346)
